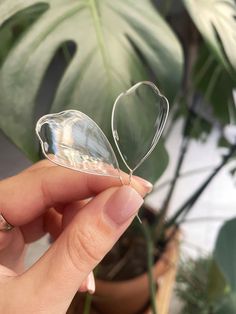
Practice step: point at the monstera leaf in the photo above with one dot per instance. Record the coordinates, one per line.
(215, 84)
(225, 257)
(216, 21)
(225, 252)
(117, 43)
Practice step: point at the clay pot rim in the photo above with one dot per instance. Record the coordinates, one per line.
(160, 267)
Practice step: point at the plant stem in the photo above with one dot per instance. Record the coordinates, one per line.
(184, 147)
(185, 208)
(89, 297)
(211, 87)
(203, 70)
(192, 101)
(150, 262)
(87, 304)
(203, 219)
(184, 175)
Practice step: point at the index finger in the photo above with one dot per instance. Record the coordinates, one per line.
(29, 194)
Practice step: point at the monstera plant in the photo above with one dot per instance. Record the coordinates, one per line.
(111, 40)
(101, 48)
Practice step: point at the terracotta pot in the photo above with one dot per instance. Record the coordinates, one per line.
(132, 296)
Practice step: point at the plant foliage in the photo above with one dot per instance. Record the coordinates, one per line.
(116, 42)
(215, 19)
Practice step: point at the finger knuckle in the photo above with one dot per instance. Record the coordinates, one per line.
(82, 248)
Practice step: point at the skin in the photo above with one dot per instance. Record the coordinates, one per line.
(85, 215)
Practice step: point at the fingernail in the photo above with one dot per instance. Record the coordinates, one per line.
(91, 283)
(88, 284)
(146, 184)
(123, 204)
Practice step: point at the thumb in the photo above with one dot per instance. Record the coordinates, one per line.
(83, 244)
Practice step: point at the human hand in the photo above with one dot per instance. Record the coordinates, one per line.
(85, 214)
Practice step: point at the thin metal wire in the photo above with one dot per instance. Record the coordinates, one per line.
(130, 183)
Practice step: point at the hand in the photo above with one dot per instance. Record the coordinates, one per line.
(85, 214)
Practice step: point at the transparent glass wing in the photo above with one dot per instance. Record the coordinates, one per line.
(138, 119)
(73, 140)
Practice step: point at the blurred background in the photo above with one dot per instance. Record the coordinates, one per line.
(56, 56)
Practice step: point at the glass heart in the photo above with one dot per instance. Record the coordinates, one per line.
(138, 119)
(71, 139)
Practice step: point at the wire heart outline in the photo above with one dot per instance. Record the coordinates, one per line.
(164, 111)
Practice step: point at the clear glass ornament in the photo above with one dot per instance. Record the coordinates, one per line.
(73, 140)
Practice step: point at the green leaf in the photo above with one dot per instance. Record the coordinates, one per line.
(152, 168)
(216, 21)
(228, 305)
(12, 28)
(225, 252)
(217, 285)
(216, 85)
(116, 42)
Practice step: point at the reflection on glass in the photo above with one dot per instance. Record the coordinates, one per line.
(73, 140)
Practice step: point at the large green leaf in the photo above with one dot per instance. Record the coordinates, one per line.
(216, 85)
(216, 21)
(152, 168)
(225, 252)
(217, 286)
(12, 29)
(116, 42)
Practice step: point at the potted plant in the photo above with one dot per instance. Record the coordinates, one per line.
(117, 43)
(207, 285)
(192, 285)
